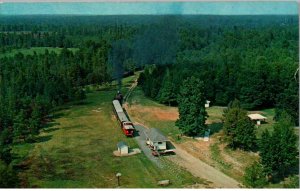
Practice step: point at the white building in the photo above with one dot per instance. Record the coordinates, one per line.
(122, 148)
(207, 103)
(156, 139)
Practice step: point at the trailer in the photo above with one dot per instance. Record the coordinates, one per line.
(162, 152)
(158, 143)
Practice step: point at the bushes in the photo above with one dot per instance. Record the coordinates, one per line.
(238, 128)
(278, 151)
(8, 177)
(254, 176)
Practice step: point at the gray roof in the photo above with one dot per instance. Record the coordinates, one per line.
(155, 135)
(121, 144)
(117, 106)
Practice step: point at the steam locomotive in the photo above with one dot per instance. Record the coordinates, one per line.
(125, 123)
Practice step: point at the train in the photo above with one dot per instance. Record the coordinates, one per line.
(125, 123)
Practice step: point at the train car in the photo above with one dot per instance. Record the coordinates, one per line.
(125, 124)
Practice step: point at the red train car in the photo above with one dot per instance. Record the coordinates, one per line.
(126, 125)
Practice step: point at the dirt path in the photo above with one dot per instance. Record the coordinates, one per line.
(194, 165)
(203, 170)
(134, 84)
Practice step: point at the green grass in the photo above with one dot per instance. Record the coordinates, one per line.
(138, 97)
(215, 117)
(77, 152)
(216, 156)
(166, 126)
(30, 51)
(269, 113)
(231, 162)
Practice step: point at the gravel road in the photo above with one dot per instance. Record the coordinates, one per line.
(203, 170)
(182, 158)
(141, 140)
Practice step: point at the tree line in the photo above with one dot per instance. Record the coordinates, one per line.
(257, 66)
(33, 86)
(225, 53)
(242, 68)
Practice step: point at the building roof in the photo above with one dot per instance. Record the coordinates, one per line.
(121, 144)
(256, 116)
(155, 135)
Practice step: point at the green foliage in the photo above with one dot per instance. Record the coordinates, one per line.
(192, 114)
(238, 127)
(167, 93)
(8, 177)
(5, 153)
(254, 176)
(278, 151)
(149, 84)
(288, 102)
(293, 182)
(255, 65)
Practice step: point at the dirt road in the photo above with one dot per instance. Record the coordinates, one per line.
(202, 170)
(194, 165)
(189, 162)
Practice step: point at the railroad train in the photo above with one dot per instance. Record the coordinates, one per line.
(125, 123)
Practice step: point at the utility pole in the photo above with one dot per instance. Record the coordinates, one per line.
(118, 175)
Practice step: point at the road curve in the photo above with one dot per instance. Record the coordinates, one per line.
(200, 169)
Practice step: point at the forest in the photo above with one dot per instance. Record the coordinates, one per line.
(250, 58)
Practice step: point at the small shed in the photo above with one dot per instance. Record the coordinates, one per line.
(207, 103)
(122, 148)
(156, 139)
(258, 118)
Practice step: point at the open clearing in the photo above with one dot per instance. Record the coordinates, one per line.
(149, 115)
(76, 151)
(214, 153)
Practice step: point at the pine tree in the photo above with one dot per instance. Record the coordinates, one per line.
(192, 114)
(254, 176)
(278, 152)
(238, 127)
(167, 91)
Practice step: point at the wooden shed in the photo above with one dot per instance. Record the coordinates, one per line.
(258, 118)
(156, 139)
(122, 148)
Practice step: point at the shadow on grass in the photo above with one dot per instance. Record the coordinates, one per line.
(42, 139)
(57, 115)
(82, 102)
(215, 128)
(50, 127)
(49, 130)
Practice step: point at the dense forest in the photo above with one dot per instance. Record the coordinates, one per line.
(251, 58)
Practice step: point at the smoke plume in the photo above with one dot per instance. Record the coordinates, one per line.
(119, 53)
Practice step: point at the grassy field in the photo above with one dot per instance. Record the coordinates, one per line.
(30, 51)
(76, 151)
(214, 152)
(138, 105)
(142, 110)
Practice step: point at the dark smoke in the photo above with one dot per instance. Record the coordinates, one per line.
(158, 43)
(119, 53)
